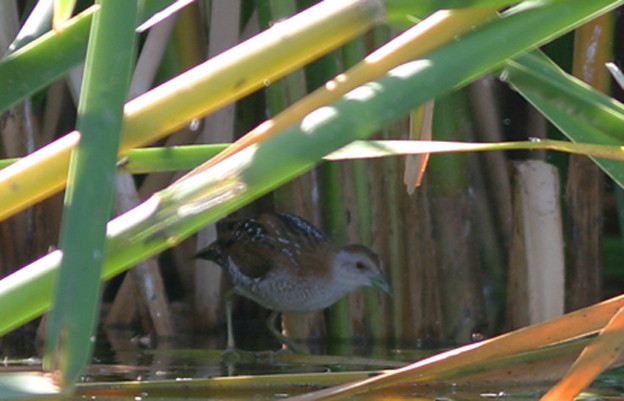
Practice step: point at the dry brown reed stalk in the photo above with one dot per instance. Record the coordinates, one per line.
(584, 191)
(584, 222)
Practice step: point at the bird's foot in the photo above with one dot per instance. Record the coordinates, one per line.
(231, 355)
(290, 344)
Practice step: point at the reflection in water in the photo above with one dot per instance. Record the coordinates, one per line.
(194, 366)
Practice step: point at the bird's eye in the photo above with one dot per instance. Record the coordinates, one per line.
(360, 266)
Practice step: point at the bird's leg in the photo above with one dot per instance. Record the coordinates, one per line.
(231, 343)
(282, 338)
(230, 355)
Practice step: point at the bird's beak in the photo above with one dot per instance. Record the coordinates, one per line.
(380, 283)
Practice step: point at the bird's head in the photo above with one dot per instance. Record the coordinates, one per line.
(357, 266)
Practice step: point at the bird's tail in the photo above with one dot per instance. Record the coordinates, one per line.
(213, 253)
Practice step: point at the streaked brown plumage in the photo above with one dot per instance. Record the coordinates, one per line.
(286, 264)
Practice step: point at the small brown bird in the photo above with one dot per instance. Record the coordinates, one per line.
(286, 264)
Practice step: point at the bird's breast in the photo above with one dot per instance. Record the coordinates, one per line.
(287, 294)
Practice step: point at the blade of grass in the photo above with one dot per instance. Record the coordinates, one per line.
(37, 23)
(374, 149)
(452, 362)
(534, 73)
(178, 158)
(580, 112)
(403, 13)
(595, 358)
(89, 196)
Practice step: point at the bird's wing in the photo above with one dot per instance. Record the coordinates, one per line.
(291, 227)
(248, 244)
(299, 244)
(271, 241)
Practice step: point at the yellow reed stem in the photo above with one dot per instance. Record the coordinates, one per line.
(428, 35)
(218, 81)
